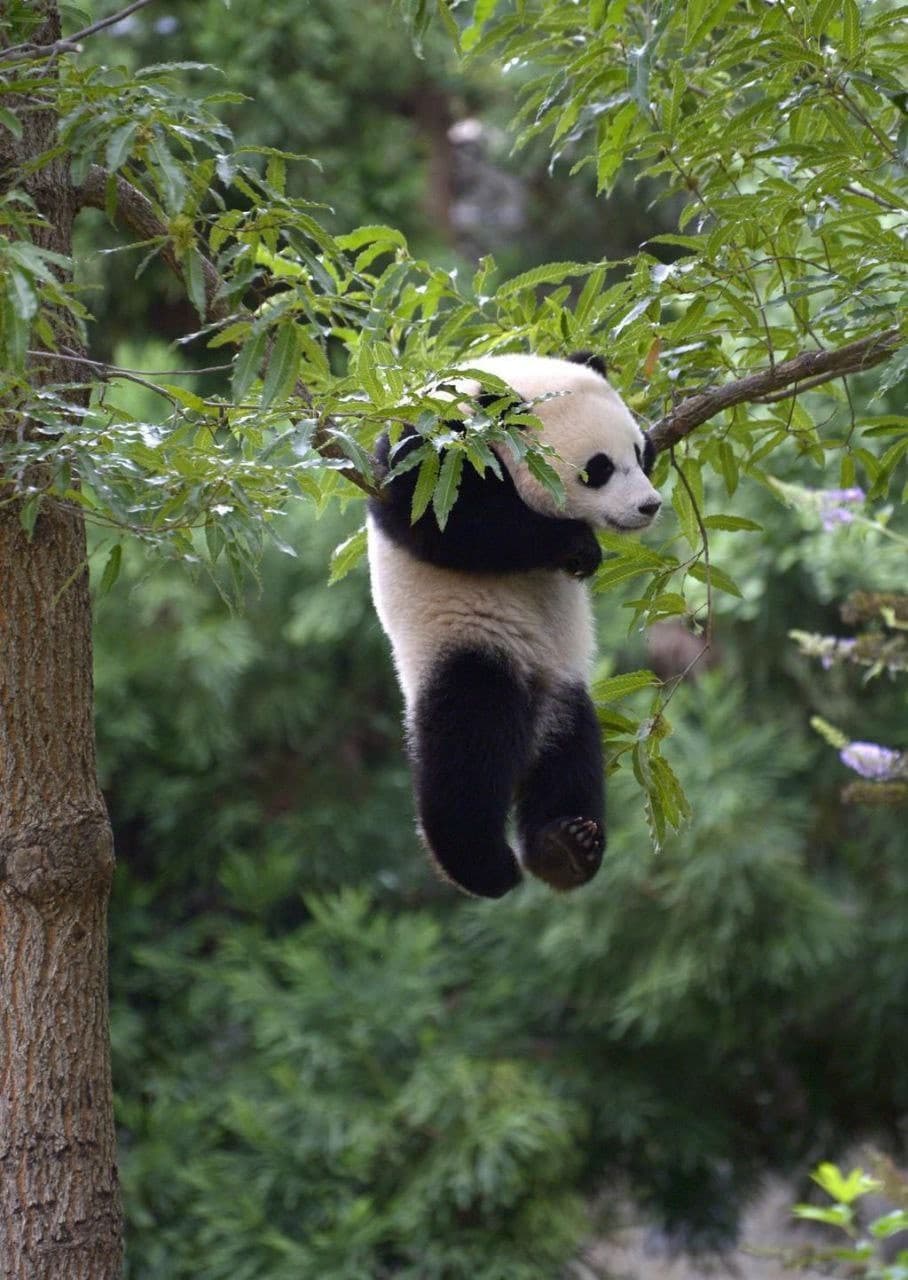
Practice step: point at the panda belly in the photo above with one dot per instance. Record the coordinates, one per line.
(541, 620)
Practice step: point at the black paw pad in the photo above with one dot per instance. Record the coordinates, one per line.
(567, 853)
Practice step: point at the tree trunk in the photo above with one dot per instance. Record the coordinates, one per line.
(59, 1202)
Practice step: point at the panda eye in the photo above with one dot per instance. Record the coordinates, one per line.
(598, 471)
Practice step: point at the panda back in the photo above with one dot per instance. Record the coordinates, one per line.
(541, 619)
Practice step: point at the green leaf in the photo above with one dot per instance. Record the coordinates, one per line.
(445, 493)
(111, 568)
(425, 486)
(172, 178)
(844, 1189)
(195, 281)
(10, 121)
(28, 513)
(687, 516)
(542, 470)
(283, 365)
(347, 554)
(550, 273)
(732, 523)
(372, 235)
(837, 1215)
(890, 1223)
(247, 364)
(615, 688)
(119, 144)
(851, 29)
(715, 577)
(613, 572)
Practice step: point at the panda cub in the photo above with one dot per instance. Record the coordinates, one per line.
(492, 632)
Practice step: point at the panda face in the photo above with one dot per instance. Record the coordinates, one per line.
(602, 457)
(603, 461)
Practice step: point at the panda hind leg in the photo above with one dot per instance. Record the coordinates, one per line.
(561, 804)
(470, 741)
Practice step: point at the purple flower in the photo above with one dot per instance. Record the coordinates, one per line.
(840, 649)
(870, 760)
(834, 505)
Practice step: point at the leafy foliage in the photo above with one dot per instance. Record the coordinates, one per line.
(780, 129)
(456, 1161)
(378, 1082)
(865, 1253)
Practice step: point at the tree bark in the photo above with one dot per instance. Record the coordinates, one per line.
(59, 1200)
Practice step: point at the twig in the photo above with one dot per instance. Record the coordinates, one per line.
(118, 371)
(808, 369)
(69, 44)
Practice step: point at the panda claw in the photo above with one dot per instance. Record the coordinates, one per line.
(567, 852)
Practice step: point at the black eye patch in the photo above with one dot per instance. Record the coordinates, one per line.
(645, 459)
(598, 470)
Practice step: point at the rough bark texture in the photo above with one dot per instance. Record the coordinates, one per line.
(59, 1203)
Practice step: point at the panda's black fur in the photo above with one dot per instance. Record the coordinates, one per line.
(492, 636)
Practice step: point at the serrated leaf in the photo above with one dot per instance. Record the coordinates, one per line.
(283, 365)
(361, 236)
(189, 399)
(171, 176)
(445, 493)
(28, 513)
(119, 144)
(687, 516)
(542, 470)
(9, 120)
(715, 577)
(732, 523)
(247, 364)
(549, 273)
(425, 486)
(615, 688)
(111, 568)
(851, 29)
(195, 281)
(347, 554)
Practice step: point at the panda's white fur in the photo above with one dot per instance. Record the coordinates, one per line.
(581, 415)
(537, 621)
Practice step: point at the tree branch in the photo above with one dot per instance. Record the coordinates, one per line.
(138, 214)
(69, 44)
(809, 369)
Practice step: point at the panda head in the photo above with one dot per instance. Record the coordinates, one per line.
(602, 457)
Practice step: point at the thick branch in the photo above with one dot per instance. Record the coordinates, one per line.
(138, 213)
(810, 368)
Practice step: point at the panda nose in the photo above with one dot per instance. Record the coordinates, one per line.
(650, 508)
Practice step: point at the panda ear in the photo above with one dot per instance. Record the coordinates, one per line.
(486, 399)
(649, 453)
(591, 360)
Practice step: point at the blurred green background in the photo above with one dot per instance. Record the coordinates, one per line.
(327, 1063)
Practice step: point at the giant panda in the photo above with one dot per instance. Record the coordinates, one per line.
(491, 630)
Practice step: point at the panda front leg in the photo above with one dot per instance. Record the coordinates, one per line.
(561, 802)
(470, 741)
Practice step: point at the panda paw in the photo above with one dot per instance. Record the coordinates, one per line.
(566, 853)
(584, 556)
